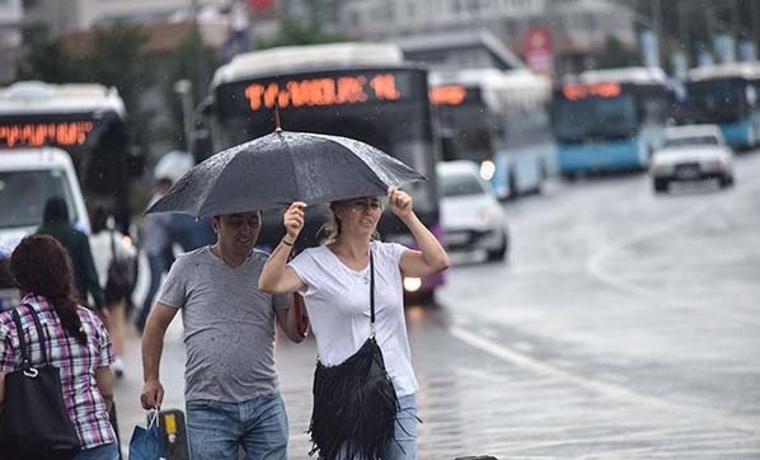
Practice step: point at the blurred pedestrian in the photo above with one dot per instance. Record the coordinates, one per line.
(231, 388)
(157, 243)
(75, 340)
(335, 280)
(55, 222)
(115, 263)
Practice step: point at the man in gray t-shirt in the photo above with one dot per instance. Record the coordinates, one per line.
(231, 386)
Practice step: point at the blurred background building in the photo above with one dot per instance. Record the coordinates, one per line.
(11, 20)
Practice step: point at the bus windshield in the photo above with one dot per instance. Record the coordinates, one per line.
(23, 195)
(714, 101)
(595, 117)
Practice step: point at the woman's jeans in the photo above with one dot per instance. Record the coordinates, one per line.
(217, 429)
(404, 447)
(106, 452)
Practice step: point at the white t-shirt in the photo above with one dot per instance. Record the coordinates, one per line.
(338, 303)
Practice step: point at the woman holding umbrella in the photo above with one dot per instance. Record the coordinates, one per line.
(352, 290)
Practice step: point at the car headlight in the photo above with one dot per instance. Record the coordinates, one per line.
(487, 215)
(126, 241)
(487, 170)
(412, 284)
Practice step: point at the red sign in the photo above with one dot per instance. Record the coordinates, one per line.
(260, 4)
(63, 134)
(538, 50)
(322, 91)
(448, 95)
(574, 91)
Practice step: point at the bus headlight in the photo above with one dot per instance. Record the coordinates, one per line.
(412, 284)
(487, 170)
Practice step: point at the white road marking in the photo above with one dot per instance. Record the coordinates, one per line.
(616, 392)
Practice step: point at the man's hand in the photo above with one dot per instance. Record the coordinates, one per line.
(152, 395)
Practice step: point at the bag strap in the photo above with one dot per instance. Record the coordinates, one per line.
(372, 289)
(27, 355)
(26, 362)
(113, 245)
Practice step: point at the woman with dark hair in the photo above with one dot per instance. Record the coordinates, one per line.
(115, 264)
(75, 339)
(337, 281)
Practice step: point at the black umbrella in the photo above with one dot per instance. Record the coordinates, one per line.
(282, 167)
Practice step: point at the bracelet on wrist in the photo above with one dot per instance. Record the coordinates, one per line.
(286, 243)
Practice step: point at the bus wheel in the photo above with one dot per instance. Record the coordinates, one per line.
(726, 181)
(570, 176)
(660, 185)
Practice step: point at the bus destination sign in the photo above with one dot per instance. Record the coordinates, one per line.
(448, 95)
(39, 134)
(576, 91)
(323, 91)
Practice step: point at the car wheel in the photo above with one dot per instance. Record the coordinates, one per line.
(726, 181)
(500, 253)
(660, 185)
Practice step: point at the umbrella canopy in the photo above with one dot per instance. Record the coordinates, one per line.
(282, 167)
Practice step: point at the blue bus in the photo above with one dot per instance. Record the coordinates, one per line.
(726, 95)
(498, 119)
(610, 120)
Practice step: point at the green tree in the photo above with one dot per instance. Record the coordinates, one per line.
(48, 61)
(308, 28)
(185, 63)
(615, 54)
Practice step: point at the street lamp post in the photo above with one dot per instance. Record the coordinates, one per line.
(184, 89)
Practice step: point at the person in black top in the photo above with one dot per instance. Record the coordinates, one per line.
(55, 222)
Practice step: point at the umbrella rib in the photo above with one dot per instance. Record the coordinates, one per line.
(292, 164)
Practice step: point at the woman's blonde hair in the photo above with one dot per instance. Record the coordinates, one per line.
(332, 228)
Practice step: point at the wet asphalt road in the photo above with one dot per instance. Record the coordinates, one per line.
(625, 325)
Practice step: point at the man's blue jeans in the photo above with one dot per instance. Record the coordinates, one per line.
(217, 429)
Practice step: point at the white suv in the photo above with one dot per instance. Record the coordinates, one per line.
(28, 178)
(692, 153)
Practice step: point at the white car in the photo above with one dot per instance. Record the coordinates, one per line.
(472, 217)
(692, 153)
(28, 177)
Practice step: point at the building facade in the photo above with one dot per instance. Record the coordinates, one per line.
(11, 21)
(579, 28)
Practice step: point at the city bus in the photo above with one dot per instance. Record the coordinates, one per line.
(726, 95)
(610, 120)
(360, 90)
(498, 119)
(88, 121)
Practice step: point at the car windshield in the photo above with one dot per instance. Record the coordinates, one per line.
(460, 184)
(690, 141)
(23, 195)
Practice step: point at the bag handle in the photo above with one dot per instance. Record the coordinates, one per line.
(113, 244)
(26, 355)
(372, 289)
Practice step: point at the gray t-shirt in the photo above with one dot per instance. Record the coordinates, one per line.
(229, 326)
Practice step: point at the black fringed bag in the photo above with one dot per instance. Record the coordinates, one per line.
(355, 404)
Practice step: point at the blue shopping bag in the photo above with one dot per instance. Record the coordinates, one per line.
(146, 443)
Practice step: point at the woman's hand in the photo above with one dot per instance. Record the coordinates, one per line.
(293, 220)
(400, 202)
